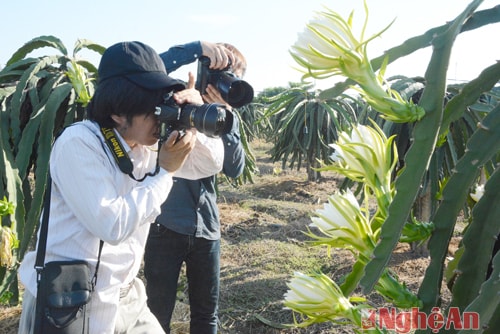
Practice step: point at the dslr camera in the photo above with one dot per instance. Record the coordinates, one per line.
(234, 91)
(212, 119)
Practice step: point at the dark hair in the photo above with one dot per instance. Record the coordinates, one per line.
(119, 96)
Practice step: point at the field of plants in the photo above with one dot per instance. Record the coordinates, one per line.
(263, 244)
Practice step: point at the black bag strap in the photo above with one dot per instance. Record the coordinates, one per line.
(44, 227)
(42, 242)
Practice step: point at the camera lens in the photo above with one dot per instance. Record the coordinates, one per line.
(240, 93)
(210, 119)
(233, 90)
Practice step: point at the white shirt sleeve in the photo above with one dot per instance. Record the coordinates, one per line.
(206, 158)
(100, 196)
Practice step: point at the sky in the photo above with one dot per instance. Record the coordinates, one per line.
(263, 30)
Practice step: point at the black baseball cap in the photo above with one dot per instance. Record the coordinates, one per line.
(138, 63)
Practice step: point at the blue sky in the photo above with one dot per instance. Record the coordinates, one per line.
(264, 30)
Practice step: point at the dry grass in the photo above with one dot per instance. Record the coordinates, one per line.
(9, 318)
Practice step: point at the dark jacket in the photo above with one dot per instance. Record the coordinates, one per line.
(191, 206)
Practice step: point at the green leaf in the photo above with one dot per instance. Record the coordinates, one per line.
(469, 94)
(45, 139)
(19, 95)
(37, 43)
(87, 44)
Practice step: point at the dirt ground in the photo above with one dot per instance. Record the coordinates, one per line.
(262, 245)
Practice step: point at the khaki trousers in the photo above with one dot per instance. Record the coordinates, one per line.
(134, 317)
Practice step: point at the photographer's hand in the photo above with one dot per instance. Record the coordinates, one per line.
(220, 56)
(188, 95)
(214, 96)
(175, 150)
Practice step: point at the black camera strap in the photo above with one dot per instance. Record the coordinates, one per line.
(121, 156)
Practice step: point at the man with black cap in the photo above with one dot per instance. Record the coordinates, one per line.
(94, 197)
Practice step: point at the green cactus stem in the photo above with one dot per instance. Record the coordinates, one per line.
(454, 195)
(485, 304)
(418, 156)
(478, 242)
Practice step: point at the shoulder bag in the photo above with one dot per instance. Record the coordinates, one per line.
(64, 288)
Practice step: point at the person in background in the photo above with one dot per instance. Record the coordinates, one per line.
(188, 228)
(93, 200)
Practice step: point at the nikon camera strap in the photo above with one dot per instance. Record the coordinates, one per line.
(121, 156)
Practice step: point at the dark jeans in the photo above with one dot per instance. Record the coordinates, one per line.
(166, 250)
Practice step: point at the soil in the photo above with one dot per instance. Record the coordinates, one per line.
(262, 242)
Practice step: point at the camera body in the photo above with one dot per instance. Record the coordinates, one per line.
(234, 91)
(212, 119)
